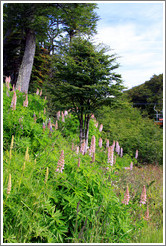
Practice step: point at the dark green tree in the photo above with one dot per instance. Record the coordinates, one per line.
(148, 95)
(44, 23)
(84, 79)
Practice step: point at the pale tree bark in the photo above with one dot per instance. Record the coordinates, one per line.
(27, 62)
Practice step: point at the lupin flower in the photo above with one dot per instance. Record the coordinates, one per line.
(92, 116)
(13, 102)
(7, 80)
(121, 152)
(63, 118)
(113, 145)
(136, 154)
(46, 176)
(44, 126)
(114, 159)
(51, 130)
(77, 150)
(107, 143)
(110, 155)
(65, 113)
(100, 142)
(9, 185)
(96, 124)
(37, 92)
(101, 128)
(146, 214)
(61, 163)
(13, 87)
(117, 147)
(143, 196)
(131, 166)
(25, 103)
(82, 150)
(58, 115)
(19, 87)
(49, 123)
(93, 144)
(45, 98)
(126, 197)
(56, 125)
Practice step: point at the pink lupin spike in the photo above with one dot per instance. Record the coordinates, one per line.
(126, 197)
(143, 196)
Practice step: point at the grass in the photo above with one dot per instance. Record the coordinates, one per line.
(152, 177)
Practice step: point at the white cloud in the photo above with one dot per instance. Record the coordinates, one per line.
(140, 52)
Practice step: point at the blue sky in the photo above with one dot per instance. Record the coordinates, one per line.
(135, 32)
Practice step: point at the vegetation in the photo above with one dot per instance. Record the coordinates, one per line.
(83, 80)
(80, 164)
(148, 95)
(54, 194)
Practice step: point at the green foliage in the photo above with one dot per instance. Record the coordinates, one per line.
(126, 125)
(83, 204)
(147, 95)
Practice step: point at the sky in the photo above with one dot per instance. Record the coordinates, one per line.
(135, 32)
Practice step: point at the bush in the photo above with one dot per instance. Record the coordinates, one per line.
(133, 132)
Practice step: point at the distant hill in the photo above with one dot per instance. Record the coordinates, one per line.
(148, 95)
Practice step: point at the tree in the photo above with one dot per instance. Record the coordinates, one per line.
(148, 95)
(84, 79)
(40, 23)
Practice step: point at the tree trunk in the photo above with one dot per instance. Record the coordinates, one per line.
(27, 62)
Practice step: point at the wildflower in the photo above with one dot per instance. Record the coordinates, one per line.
(113, 145)
(96, 125)
(46, 176)
(45, 98)
(77, 150)
(44, 127)
(65, 113)
(107, 143)
(56, 125)
(25, 103)
(61, 162)
(131, 166)
(92, 116)
(82, 150)
(63, 118)
(49, 123)
(11, 147)
(44, 111)
(7, 80)
(121, 152)
(143, 196)
(126, 197)
(40, 92)
(101, 128)
(146, 214)
(58, 115)
(19, 87)
(110, 155)
(51, 130)
(136, 154)
(13, 102)
(93, 144)
(37, 92)
(100, 142)
(13, 88)
(9, 185)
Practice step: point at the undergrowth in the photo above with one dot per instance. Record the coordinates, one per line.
(81, 204)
